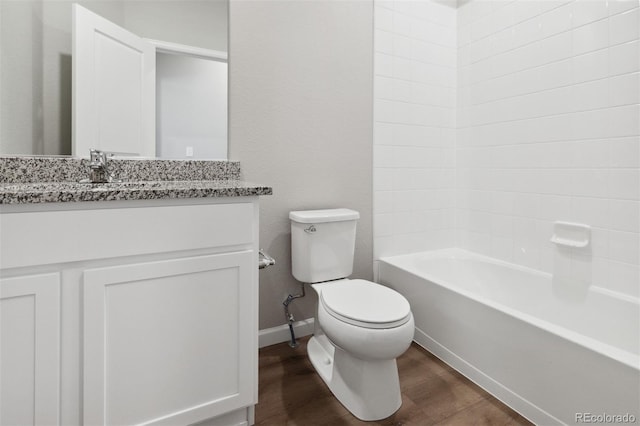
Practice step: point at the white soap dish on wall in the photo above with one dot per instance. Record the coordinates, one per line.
(568, 234)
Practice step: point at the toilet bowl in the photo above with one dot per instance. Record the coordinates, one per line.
(368, 320)
(361, 327)
(356, 343)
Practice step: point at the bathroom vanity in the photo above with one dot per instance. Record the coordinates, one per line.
(129, 303)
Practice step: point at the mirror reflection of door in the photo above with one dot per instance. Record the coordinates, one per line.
(113, 104)
(139, 97)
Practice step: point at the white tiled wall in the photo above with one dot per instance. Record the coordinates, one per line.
(514, 114)
(548, 129)
(414, 119)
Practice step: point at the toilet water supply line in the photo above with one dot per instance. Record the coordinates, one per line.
(264, 261)
(289, 316)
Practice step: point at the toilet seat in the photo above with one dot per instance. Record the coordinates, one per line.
(365, 304)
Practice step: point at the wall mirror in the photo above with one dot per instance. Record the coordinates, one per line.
(44, 104)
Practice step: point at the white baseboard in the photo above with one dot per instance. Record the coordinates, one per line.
(279, 334)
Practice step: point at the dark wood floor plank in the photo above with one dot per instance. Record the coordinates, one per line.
(485, 412)
(291, 393)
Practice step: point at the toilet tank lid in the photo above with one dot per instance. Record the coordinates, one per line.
(321, 216)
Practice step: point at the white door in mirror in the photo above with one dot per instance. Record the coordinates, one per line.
(113, 88)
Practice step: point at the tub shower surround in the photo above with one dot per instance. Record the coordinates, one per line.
(414, 126)
(545, 127)
(51, 179)
(548, 123)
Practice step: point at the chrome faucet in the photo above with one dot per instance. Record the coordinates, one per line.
(99, 165)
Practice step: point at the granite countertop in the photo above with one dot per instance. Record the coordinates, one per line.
(58, 192)
(28, 180)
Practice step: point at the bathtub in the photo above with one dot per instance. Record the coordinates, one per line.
(552, 356)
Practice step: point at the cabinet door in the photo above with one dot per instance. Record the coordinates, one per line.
(169, 342)
(29, 349)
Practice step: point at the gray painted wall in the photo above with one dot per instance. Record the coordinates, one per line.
(191, 107)
(301, 121)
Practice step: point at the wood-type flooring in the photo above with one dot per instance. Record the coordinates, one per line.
(292, 393)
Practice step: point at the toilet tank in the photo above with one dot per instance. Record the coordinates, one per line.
(322, 244)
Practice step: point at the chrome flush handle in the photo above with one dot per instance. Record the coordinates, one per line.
(264, 260)
(310, 230)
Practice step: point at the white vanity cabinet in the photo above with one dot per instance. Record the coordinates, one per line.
(129, 312)
(29, 349)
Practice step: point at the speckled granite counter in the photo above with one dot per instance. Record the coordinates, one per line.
(25, 180)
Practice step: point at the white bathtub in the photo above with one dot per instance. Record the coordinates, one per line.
(518, 335)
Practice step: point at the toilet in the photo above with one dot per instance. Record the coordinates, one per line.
(360, 327)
